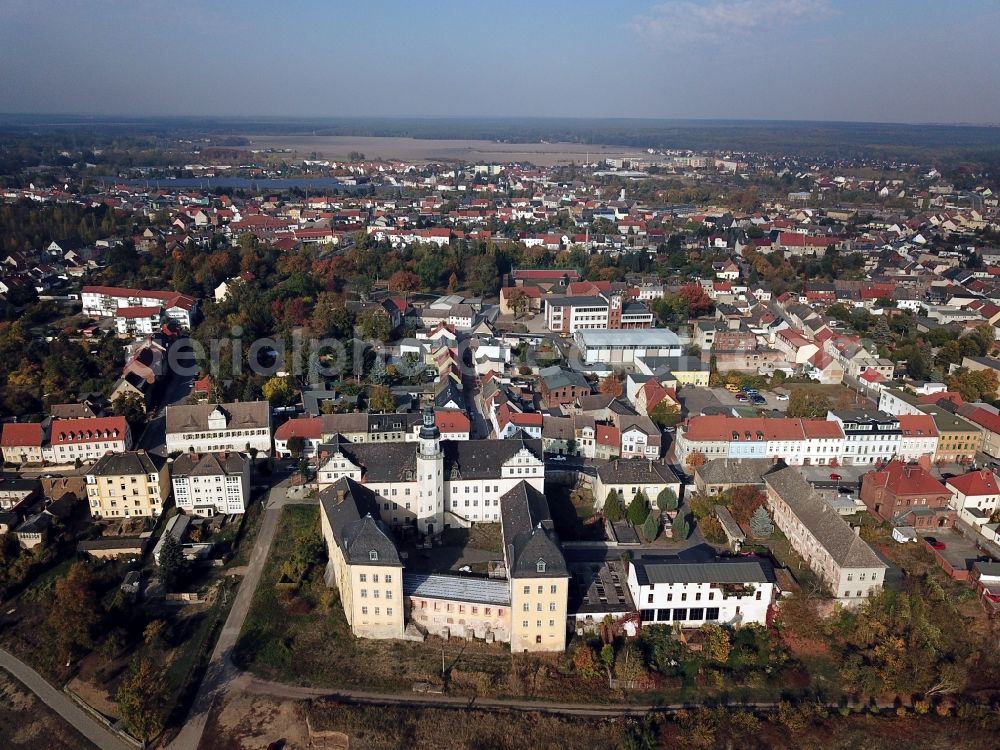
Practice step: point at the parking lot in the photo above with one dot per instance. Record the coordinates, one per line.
(720, 401)
(959, 551)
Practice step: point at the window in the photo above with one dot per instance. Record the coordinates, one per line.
(373, 555)
(525, 607)
(364, 610)
(527, 589)
(552, 606)
(388, 611)
(524, 623)
(375, 578)
(712, 614)
(649, 599)
(364, 593)
(540, 566)
(388, 577)
(388, 594)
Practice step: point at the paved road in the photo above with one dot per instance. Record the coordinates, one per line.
(63, 705)
(221, 671)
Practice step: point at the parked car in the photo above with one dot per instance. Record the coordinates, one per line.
(732, 388)
(781, 396)
(757, 399)
(835, 477)
(742, 397)
(935, 543)
(846, 490)
(558, 458)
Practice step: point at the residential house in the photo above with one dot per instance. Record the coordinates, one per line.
(627, 476)
(905, 494)
(975, 496)
(211, 483)
(125, 485)
(209, 428)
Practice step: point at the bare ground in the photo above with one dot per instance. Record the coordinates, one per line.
(25, 722)
(427, 150)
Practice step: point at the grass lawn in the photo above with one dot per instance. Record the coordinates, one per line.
(839, 396)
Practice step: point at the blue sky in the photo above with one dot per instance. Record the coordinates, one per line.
(863, 60)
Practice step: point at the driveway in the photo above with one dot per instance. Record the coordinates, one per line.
(221, 670)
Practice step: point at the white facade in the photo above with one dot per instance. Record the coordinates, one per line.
(693, 603)
(225, 490)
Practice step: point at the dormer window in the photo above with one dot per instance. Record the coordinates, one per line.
(540, 566)
(373, 556)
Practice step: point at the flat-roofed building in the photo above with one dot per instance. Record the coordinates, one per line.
(689, 595)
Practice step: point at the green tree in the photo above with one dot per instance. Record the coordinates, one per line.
(666, 500)
(802, 403)
(716, 646)
(142, 699)
(614, 509)
(761, 524)
(171, 561)
(651, 527)
(680, 527)
(374, 324)
(638, 509)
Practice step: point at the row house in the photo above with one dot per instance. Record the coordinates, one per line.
(869, 437)
(87, 439)
(795, 441)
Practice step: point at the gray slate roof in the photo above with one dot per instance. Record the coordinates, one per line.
(471, 459)
(846, 548)
(636, 471)
(353, 512)
(240, 415)
(720, 571)
(208, 464)
(529, 536)
(736, 470)
(124, 464)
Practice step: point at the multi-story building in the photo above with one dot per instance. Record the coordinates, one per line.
(210, 428)
(126, 485)
(795, 441)
(831, 548)
(730, 592)
(958, 438)
(528, 609)
(210, 483)
(87, 439)
(23, 442)
(918, 437)
(138, 321)
(570, 314)
(869, 436)
(363, 564)
(536, 570)
(436, 484)
(105, 301)
(906, 494)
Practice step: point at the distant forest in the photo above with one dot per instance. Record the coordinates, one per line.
(948, 144)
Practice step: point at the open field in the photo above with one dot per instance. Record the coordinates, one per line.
(428, 150)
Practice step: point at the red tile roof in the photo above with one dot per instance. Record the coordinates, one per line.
(907, 479)
(980, 482)
(21, 433)
(92, 430)
(451, 421)
(917, 425)
(309, 428)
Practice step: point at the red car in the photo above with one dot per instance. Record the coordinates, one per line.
(935, 543)
(835, 477)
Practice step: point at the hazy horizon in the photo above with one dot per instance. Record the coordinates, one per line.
(829, 61)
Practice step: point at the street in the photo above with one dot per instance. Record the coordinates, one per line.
(175, 391)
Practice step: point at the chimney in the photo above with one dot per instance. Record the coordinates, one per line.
(340, 496)
(857, 531)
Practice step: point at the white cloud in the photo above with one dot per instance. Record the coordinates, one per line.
(685, 22)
